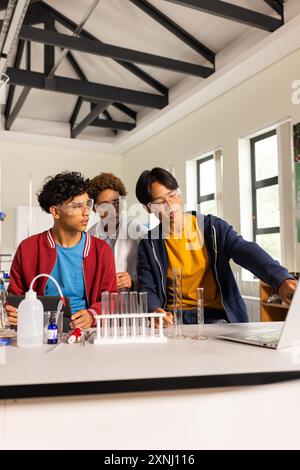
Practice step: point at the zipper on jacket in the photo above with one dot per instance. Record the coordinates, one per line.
(51, 270)
(161, 272)
(84, 284)
(83, 275)
(214, 237)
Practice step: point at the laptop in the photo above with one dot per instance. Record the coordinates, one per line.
(275, 337)
(50, 303)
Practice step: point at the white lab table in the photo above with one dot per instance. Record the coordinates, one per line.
(181, 394)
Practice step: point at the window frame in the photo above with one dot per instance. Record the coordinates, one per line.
(207, 197)
(255, 185)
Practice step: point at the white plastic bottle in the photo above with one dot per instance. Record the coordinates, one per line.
(30, 321)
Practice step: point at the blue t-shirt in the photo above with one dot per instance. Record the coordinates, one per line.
(68, 272)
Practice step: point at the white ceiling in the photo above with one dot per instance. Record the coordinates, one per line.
(121, 23)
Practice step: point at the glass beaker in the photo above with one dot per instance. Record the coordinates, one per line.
(123, 301)
(133, 308)
(114, 310)
(143, 297)
(105, 310)
(200, 315)
(143, 308)
(105, 302)
(177, 303)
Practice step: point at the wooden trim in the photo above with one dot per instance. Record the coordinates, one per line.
(270, 311)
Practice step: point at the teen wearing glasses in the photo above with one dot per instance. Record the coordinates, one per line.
(81, 264)
(119, 231)
(202, 246)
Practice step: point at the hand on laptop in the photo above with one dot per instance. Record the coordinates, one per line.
(82, 319)
(287, 289)
(12, 314)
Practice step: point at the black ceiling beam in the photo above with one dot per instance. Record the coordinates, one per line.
(12, 88)
(105, 114)
(124, 109)
(49, 51)
(115, 125)
(120, 106)
(174, 28)
(76, 111)
(108, 117)
(78, 70)
(92, 90)
(113, 52)
(17, 108)
(277, 6)
(74, 64)
(35, 14)
(98, 109)
(28, 55)
(145, 77)
(232, 12)
(11, 116)
(3, 4)
(134, 69)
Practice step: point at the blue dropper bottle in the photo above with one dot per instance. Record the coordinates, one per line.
(52, 330)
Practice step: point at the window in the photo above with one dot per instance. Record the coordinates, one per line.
(265, 193)
(206, 185)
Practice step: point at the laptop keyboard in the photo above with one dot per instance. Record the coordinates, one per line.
(264, 337)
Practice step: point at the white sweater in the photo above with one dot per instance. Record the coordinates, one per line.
(127, 241)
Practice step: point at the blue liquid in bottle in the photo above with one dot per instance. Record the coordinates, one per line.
(52, 331)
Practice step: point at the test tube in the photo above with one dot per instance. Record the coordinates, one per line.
(152, 323)
(200, 315)
(123, 299)
(160, 328)
(98, 328)
(134, 308)
(114, 310)
(143, 297)
(105, 310)
(177, 302)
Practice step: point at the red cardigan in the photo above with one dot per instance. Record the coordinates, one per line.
(37, 255)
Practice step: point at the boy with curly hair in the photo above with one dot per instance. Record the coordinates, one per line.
(81, 264)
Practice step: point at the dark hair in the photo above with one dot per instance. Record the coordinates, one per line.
(143, 186)
(106, 181)
(59, 188)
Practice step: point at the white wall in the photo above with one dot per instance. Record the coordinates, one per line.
(19, 160)
(257, 103)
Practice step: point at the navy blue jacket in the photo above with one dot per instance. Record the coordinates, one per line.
(222, 244)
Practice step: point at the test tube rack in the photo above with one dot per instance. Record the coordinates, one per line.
(129, 328)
